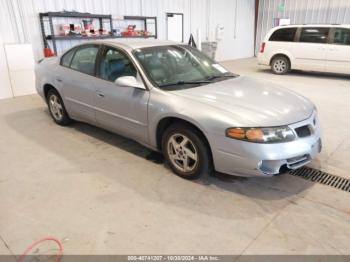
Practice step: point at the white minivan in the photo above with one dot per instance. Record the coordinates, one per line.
(324, 48)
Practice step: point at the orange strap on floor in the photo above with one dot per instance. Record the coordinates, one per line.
(58, 242)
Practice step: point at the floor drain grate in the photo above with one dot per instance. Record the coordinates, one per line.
(321, 177)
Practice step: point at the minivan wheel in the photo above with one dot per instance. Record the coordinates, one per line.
(280, 65)
(57, 109)
(185, 151)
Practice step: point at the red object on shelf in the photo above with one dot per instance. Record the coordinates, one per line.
(132, 32)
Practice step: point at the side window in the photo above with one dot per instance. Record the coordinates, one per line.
(67, 57)
(84, 59)
(342, 36)
(284, 35)
(314, 35)
(115, 64)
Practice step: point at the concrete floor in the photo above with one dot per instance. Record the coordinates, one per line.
(103, 194)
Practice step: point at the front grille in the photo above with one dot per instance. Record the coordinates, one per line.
(303, 131)
(321, 177)
(296, 162)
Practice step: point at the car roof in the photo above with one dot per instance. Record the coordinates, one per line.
(127, 43)
(132, 44)
(313, 25)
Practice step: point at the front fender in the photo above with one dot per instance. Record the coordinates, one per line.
(163, 104)
(154, 122)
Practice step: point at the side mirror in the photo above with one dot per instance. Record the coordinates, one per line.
(129, 81)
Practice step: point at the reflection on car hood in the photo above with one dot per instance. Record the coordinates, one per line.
(258, 102)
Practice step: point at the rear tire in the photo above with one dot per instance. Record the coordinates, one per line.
(185, 151)
(56, 107)
(280, 65)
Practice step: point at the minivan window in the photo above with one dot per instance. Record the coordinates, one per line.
(342, 36)
(84, 60)
(284, 35)
(314, 35)
(67, 57)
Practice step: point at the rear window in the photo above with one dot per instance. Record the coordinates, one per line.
(283, 35)
(84, 59)
(65, 61)
(314, 35)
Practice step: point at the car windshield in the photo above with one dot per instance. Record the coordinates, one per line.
(179, 66)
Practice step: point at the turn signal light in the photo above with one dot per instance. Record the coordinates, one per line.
(238, 133)
(277, 134)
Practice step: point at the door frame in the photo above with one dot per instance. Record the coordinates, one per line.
(166, 19)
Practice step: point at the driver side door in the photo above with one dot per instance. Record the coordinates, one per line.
(120, 109)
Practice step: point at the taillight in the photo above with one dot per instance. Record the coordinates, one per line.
(262, 48)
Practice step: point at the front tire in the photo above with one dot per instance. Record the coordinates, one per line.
(185, 151)
(280, 65)
(56, 107)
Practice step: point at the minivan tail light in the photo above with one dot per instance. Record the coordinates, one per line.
(262, 48)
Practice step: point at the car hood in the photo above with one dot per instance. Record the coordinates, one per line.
(252, 102)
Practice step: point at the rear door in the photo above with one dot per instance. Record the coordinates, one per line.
(311, 48)
(77, 77)
(338, 54)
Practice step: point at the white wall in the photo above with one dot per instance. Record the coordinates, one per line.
(19, 21)
(5, 84)
(237, 16)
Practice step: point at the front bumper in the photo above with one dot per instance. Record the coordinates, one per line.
(242, 158)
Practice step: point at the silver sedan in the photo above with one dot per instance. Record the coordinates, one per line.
(172, 98)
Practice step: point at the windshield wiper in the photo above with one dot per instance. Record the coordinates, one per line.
(220, 76)
(186, 83)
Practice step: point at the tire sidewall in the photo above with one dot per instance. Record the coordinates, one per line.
(203, 165)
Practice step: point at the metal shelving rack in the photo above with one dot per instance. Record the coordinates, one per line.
(52, 37)
(144, 19)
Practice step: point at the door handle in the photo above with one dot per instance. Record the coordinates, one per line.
(100, 94)
(59, 80)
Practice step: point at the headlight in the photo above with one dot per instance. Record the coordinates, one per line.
(262, 135)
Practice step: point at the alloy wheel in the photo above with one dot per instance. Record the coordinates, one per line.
(56, 107)
(280, 66)
(182, 153)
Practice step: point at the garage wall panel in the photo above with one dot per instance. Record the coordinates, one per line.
(20, 61)
(5, 86)
(301, 12)
(20, 22)
(237, 18)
